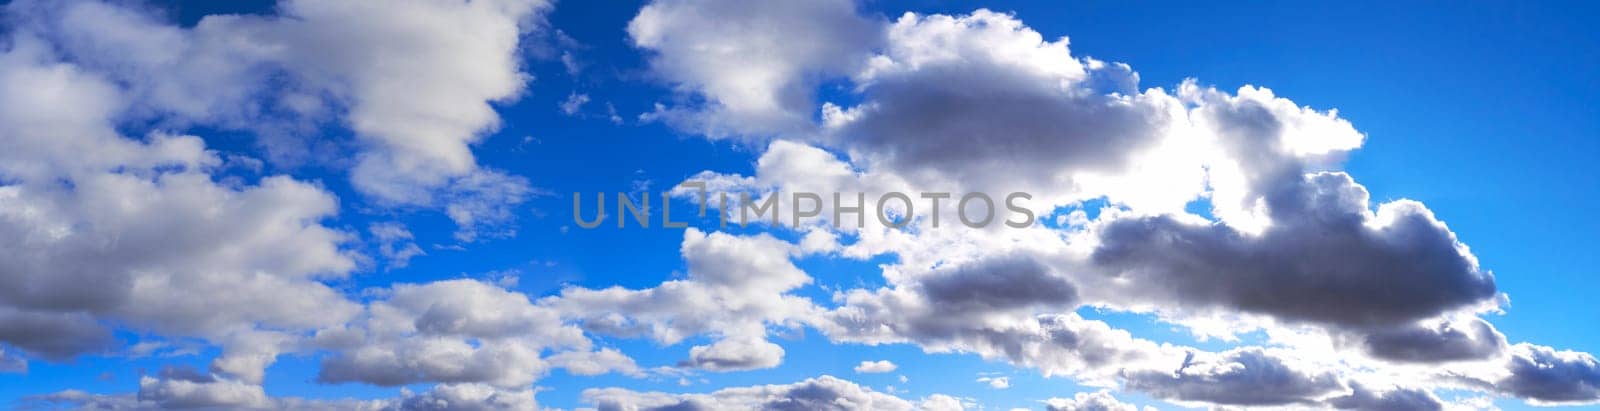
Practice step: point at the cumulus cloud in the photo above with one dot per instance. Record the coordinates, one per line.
(416, 92)
(736, 287)
(1470, 339)
(168, 248)
(1096, 401)
(1249, 376)
(55, 336)
(875, 367)
(457, 331)
(1324, 250)
(1003, 308)
(1543, 375)
(734, 354)
(821, 393)
(1045, 116)
(187, 392)
(943, 303)
(200, 394)
(976, 102)
(1289, 240)
(1365, 399)
(467, 397)
(782, 48)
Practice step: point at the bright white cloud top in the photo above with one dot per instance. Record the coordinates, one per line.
(113, 224)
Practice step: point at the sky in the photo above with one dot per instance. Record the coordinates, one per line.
(370, 205)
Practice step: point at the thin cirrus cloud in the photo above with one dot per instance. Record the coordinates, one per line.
(1360, 304)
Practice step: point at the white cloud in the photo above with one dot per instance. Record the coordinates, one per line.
(735, 354)
(468, 397)
(875, 367)
(778, 45)
(825, 392)
(1406, 289)
(395, 243)
(456, 331)
(1345, 290)
(175, 393)
(941, 402)
(165, 394)
(417, 92)
(736, 287)
(574, 103)
(1096, 401)
(167, 248)
(998, 383)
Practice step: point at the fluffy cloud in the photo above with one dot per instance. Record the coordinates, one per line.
(174, 394)
(56, 336)
(174, 248)
(168, 248)
(734, 354)
(1326, 258)
(1045, 116)
(781, 47)
(821, 393)
(875, 367)
(1250, 376)
(458, 331)
(1471, 339)
(981, 102)
(1364, 399)
(417, 92)
(1084, 401)
(467, 397)
(179, 392)
(736, 287)
(1542, 375)
(976, 102)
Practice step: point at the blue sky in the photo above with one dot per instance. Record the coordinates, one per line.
(1487, 113)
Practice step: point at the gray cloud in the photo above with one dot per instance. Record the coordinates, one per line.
(1001, 283)
(978, 100)
(106, 229)
(994, 108)
(1446, 341)
(10, 363)
(201, 394)
(459, 331)
(821, 393)
(55, 336)
(1247, 376)
(953, 302)
(1325, 259)
(1548, 376)
(1363, 399)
